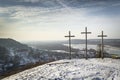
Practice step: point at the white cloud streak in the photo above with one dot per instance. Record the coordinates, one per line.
(52, 22)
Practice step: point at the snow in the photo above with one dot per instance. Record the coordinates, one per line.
(74, 69)
(62, 51)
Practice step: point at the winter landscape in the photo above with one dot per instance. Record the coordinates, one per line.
(59, 40)
(75, 69)
(19, 55)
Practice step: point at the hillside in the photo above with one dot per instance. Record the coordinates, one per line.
(13, 54)
(75, 69)
(11, 43)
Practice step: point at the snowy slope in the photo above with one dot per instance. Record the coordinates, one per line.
(75, 69)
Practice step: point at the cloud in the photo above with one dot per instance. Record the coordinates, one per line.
(33, 1)
(18, 20)
(59, 3)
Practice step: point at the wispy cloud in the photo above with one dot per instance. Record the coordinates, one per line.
(39, 20)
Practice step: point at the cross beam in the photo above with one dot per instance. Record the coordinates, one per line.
(86, 39)
(102, 51)
(69, 36)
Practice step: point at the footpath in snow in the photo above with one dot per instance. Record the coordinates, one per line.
(75, 69)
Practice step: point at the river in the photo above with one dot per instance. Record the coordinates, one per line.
(109, 49)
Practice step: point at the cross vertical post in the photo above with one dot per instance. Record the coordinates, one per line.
(69, 36)
(102, 46)
(86, 40)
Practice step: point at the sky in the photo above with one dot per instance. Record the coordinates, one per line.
(27, 20)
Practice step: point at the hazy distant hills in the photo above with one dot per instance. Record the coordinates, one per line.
(58, 45)
(111, 42)
(10, 43)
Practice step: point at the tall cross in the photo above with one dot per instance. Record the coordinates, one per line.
(69, 36)
(102, 51)
(86, 39)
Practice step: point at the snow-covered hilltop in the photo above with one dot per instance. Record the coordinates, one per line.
(75, 69)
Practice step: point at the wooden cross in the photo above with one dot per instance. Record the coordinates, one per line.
(86, 39)
(69, 36)
(102, 51)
